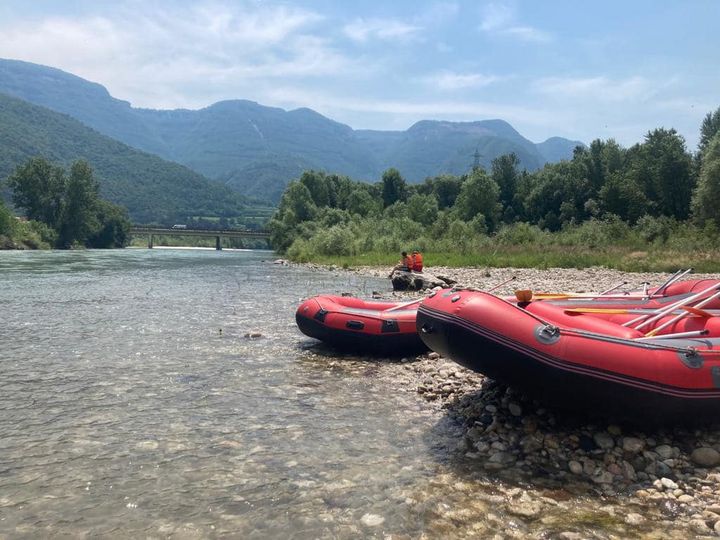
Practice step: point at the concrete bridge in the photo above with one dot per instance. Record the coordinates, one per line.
(151, 232)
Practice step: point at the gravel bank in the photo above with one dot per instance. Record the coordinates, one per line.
(546, 467)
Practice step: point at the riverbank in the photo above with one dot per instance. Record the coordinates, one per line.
(553, 472)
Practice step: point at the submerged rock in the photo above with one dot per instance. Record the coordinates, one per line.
(705, 457)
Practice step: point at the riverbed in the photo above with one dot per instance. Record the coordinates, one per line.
(168, 393)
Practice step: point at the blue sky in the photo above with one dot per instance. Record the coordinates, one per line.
(581, 70)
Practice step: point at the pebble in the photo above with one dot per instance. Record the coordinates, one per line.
(634, 519)
(662, 480)
(705, 457)
(372, 520)
(604, 440)
(633, 445)
(668, 484)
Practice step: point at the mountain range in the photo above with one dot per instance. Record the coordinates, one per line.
(152, 189)
(257, 150)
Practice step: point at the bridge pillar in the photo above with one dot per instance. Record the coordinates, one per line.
(150, 241)
(218, 245)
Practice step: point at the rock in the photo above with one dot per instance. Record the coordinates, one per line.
(253, 335)
(372, 520)
(698, 526)
(433, 356)
(705, 457)
(716, 527)
(614, 430)
(283, 262)
(604, 440)
(575, 467)
(525, 507)
(664, 451)
(447, 280)
(515, 409)
(634, 519)
(633, 445)
(686, 498)
(668, 484)
(414, 281)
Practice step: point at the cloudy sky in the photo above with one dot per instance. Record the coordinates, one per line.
(576, 69)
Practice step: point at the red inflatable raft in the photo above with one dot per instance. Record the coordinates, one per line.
(655, 359)
(360, 325)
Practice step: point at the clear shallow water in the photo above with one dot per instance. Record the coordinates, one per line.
(131, 403)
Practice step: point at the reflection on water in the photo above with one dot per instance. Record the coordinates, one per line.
(132, 403)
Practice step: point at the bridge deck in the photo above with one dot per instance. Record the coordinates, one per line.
(227, 233)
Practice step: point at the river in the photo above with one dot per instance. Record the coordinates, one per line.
(134, 404)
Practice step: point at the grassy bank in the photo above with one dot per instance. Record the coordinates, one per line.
(619, 258)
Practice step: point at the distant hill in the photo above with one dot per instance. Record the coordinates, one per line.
(152, 189)
(257, 150)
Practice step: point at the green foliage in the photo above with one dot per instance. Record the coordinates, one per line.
(479, 195)
(67, 205)
(607, 205)
(153, 190)
(706, 199)
(7, 221)
(708, 130)
(394, 188)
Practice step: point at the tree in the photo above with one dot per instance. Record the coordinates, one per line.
(479, 195)
(706, 199)
(38, 188)
(505, 174)
(423, 209)
(709, 128)
(317, 185)
(78, 218)
(662, 168)
(7, 221)
(113, 228)
(394, 188)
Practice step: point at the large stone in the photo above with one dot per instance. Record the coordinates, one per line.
(604, 440)
(705, 457)
(633, 445)
(415, 281)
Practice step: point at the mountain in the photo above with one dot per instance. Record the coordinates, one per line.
(257, 150)
(152, 189)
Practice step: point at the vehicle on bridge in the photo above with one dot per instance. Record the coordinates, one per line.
(179, 226)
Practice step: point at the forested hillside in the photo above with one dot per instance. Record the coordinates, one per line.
(152, 189)
(607, 205)
(257, 150)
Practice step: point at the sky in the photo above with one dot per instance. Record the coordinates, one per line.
(576, 69)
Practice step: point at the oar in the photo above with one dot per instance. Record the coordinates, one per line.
(681, 316)
(660, 313)
(611, 289)
(405, 304)
(677, 275)
(501, 284)
(693, 333)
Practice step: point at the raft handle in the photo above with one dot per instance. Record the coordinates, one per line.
(426, 329)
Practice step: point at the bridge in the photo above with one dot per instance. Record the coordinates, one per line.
(151, 232)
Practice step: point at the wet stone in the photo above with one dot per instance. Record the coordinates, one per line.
(604, 440)
(705, 457)
(633, 445)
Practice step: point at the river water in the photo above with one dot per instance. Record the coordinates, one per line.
(133, 404)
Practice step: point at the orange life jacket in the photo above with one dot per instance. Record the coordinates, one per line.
(417, 262)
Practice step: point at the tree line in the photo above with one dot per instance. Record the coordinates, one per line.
(654, 188)
(63, 207)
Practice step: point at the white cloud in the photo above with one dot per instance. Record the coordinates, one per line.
(161, 57)
(597, 88)
(449, 80)
(362, 30)
(500, 19)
